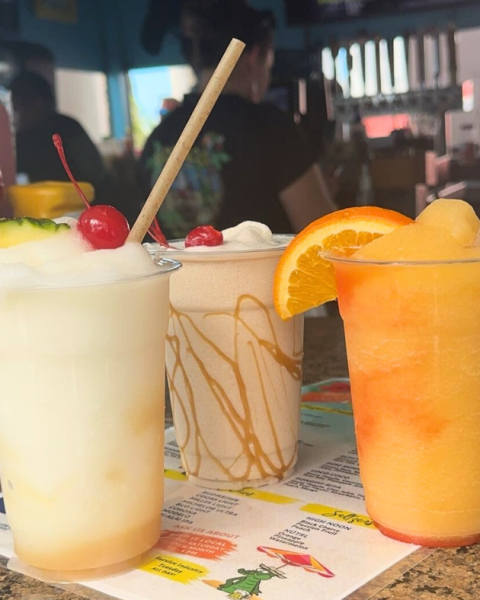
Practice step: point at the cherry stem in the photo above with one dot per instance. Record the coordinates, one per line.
(156, 232)
(57, 140)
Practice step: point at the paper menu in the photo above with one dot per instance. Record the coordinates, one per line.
(308, 537)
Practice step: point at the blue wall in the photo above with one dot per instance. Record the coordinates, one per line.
(75, 45)
(106, 36)
(132, 14)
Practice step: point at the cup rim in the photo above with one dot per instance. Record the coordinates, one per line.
(167, 266)
(349, 260)
(182, 254)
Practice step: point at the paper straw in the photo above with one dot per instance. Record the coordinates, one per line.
(186, 140)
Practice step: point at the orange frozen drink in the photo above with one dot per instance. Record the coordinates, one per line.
(409, 301)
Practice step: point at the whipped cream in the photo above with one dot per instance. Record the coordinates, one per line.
(245, 237)
(249, 234)
(66, 259)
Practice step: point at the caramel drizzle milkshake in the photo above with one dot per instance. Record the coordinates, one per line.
(234, 370)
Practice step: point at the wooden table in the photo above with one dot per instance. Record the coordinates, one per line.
(450, 574)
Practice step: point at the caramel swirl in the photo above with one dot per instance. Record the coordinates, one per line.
(242, 394)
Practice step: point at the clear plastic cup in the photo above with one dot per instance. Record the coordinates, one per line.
(414, 361)
(82, 421)
(234, 370)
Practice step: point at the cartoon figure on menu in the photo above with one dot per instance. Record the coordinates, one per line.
(248, 586)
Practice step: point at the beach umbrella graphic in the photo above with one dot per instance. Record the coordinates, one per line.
(297, 559)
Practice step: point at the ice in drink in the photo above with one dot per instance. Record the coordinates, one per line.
(234, 368)
(81, 398)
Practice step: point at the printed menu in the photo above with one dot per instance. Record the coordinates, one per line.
(308, 537)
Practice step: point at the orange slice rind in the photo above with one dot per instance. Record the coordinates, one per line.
(304, 279)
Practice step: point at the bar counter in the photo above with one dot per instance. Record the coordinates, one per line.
(452, 574)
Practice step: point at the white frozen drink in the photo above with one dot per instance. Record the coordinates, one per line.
(82, 400)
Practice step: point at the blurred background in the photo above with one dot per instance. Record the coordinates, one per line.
(387, 91)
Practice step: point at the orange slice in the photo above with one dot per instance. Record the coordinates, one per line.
(304, 279)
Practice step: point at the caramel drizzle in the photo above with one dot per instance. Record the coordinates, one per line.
(241, 426)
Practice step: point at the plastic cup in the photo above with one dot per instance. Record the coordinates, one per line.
(414, 360)
(234, 370)
(82, 421)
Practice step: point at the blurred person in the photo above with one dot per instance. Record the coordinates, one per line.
(35, 121)
(251, 162)
(168, 106)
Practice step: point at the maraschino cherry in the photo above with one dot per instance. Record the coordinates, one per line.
(104, 227)
(205, 235)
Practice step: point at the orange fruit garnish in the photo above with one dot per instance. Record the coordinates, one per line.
(304, 279)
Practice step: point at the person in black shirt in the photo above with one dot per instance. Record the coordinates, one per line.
(35, 121)
(250, 162)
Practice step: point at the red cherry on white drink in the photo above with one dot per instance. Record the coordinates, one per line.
(205, 235)
(104, 227)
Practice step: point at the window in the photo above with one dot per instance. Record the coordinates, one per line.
(83, 96)
(154, 92)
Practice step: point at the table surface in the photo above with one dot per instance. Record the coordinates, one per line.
(446, 574)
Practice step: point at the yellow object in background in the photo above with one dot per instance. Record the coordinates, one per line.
(48, 199)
